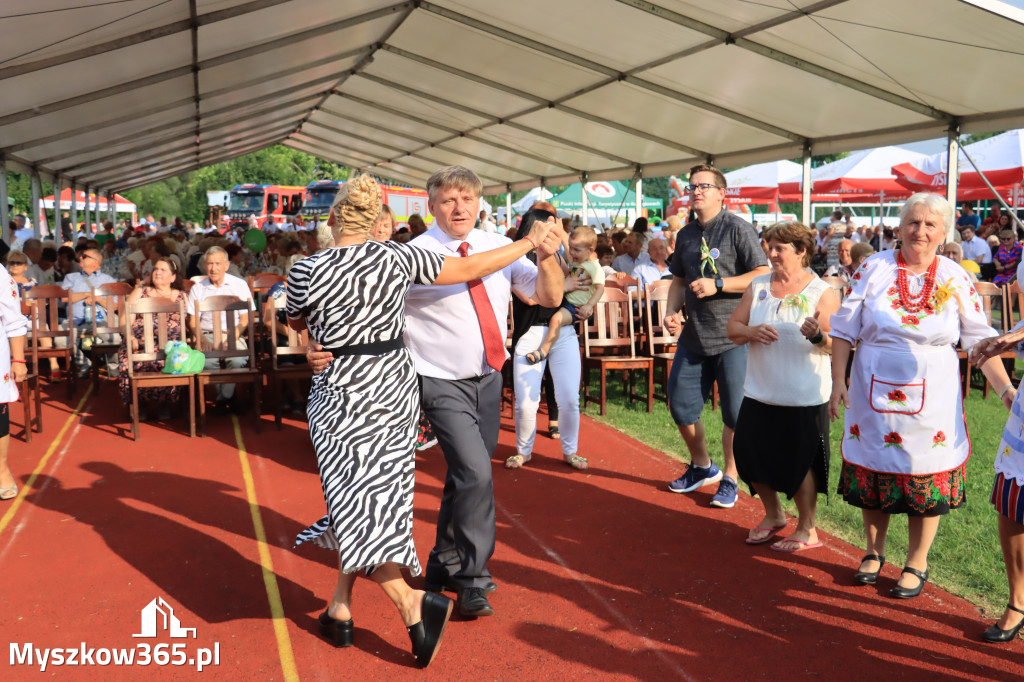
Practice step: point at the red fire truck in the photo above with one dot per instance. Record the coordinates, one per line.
(403, 201)
(273, 203)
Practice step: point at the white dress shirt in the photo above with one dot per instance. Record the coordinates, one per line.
(442, 329)
(627, 264)
(204, 288)
(977, 247)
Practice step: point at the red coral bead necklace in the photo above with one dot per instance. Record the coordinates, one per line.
(910, 303)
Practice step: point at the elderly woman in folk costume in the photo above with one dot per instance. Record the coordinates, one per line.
(905, 444)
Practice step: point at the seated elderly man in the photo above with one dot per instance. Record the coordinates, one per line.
(632, 256)
(81, 285)
(218, 283)
(656, 268)
(953, 251)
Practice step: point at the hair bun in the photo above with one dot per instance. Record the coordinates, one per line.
(363, 192)
(358, 204)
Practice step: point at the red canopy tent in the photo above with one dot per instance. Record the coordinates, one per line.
(1000, 158)
(862, 176)
(121, 205)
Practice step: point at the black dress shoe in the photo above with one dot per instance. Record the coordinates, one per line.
(910, 593)
(426, 635)
(449, 586)
(997, 635)
(869, 577)
(337, 631)
(473, 602)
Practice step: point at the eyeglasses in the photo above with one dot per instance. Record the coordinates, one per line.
(16, 262)
(703, 187)
(85, 255)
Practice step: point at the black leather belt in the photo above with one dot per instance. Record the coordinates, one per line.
(374, 348)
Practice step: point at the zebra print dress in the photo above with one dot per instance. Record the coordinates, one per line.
(363, 408)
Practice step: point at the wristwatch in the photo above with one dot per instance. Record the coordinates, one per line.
(719, 285)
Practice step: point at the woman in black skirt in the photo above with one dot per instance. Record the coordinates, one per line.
(782, 433)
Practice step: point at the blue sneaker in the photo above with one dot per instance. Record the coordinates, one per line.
(695, 477)
(725, 498)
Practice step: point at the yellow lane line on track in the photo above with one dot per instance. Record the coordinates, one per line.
(284, 643)
(23, 490)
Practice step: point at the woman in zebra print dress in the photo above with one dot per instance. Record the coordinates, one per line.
(363, 407)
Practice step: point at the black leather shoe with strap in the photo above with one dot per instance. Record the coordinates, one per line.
(869, 577)
(997, 635)
(910, 592)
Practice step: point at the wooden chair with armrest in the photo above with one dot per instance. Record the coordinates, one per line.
(294, 347)
(223, 344)
(113, 299)
(45, 329)
(155, 314)
(608, 344)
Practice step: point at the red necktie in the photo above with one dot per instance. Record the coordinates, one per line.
(494, 345)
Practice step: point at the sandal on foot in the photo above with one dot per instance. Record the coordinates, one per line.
(759, 536)
(576, 462)
(535, 356)
(9, 493)
(801, 546)
(517, 461)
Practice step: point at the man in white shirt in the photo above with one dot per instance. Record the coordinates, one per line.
(633, 255)
(33, 248)
(81, 285)
(218, 283)
(656, 267)
(460, 388)
(974, 247)
(22, 232)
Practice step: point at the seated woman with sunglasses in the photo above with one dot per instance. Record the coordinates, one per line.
(1007, 257)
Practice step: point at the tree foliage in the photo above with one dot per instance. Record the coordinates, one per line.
(185, 195)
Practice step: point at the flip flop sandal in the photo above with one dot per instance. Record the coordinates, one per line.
(759, 536)
(576, 462)
(535, 356)
(9, 493)
(517, 461)
(800, 545)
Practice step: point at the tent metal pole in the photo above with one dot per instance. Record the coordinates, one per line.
(805, 188)
(74, 209)
(55, 227)
(583, 198)
(111, 210)
(952, 171)
(999, 198)
(36, 227)
(639, 193)
(5, 216)
(96, 214)
(508, 206)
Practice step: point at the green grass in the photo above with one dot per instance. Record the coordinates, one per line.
(965, 558)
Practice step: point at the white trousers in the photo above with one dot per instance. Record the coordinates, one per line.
(564, 363)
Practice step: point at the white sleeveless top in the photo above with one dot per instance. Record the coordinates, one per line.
(792, 371)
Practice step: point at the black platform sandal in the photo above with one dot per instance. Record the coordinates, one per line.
(869, 578)
(338, 632)
(426, 635)
(910, 593)
(996, 635)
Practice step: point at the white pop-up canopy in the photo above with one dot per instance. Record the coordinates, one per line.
(114, 95)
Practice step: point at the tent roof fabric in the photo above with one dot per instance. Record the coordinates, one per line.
(117, 95)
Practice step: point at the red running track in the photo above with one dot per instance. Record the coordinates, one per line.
(601, 573)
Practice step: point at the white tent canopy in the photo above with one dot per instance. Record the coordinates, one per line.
(117, 95)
